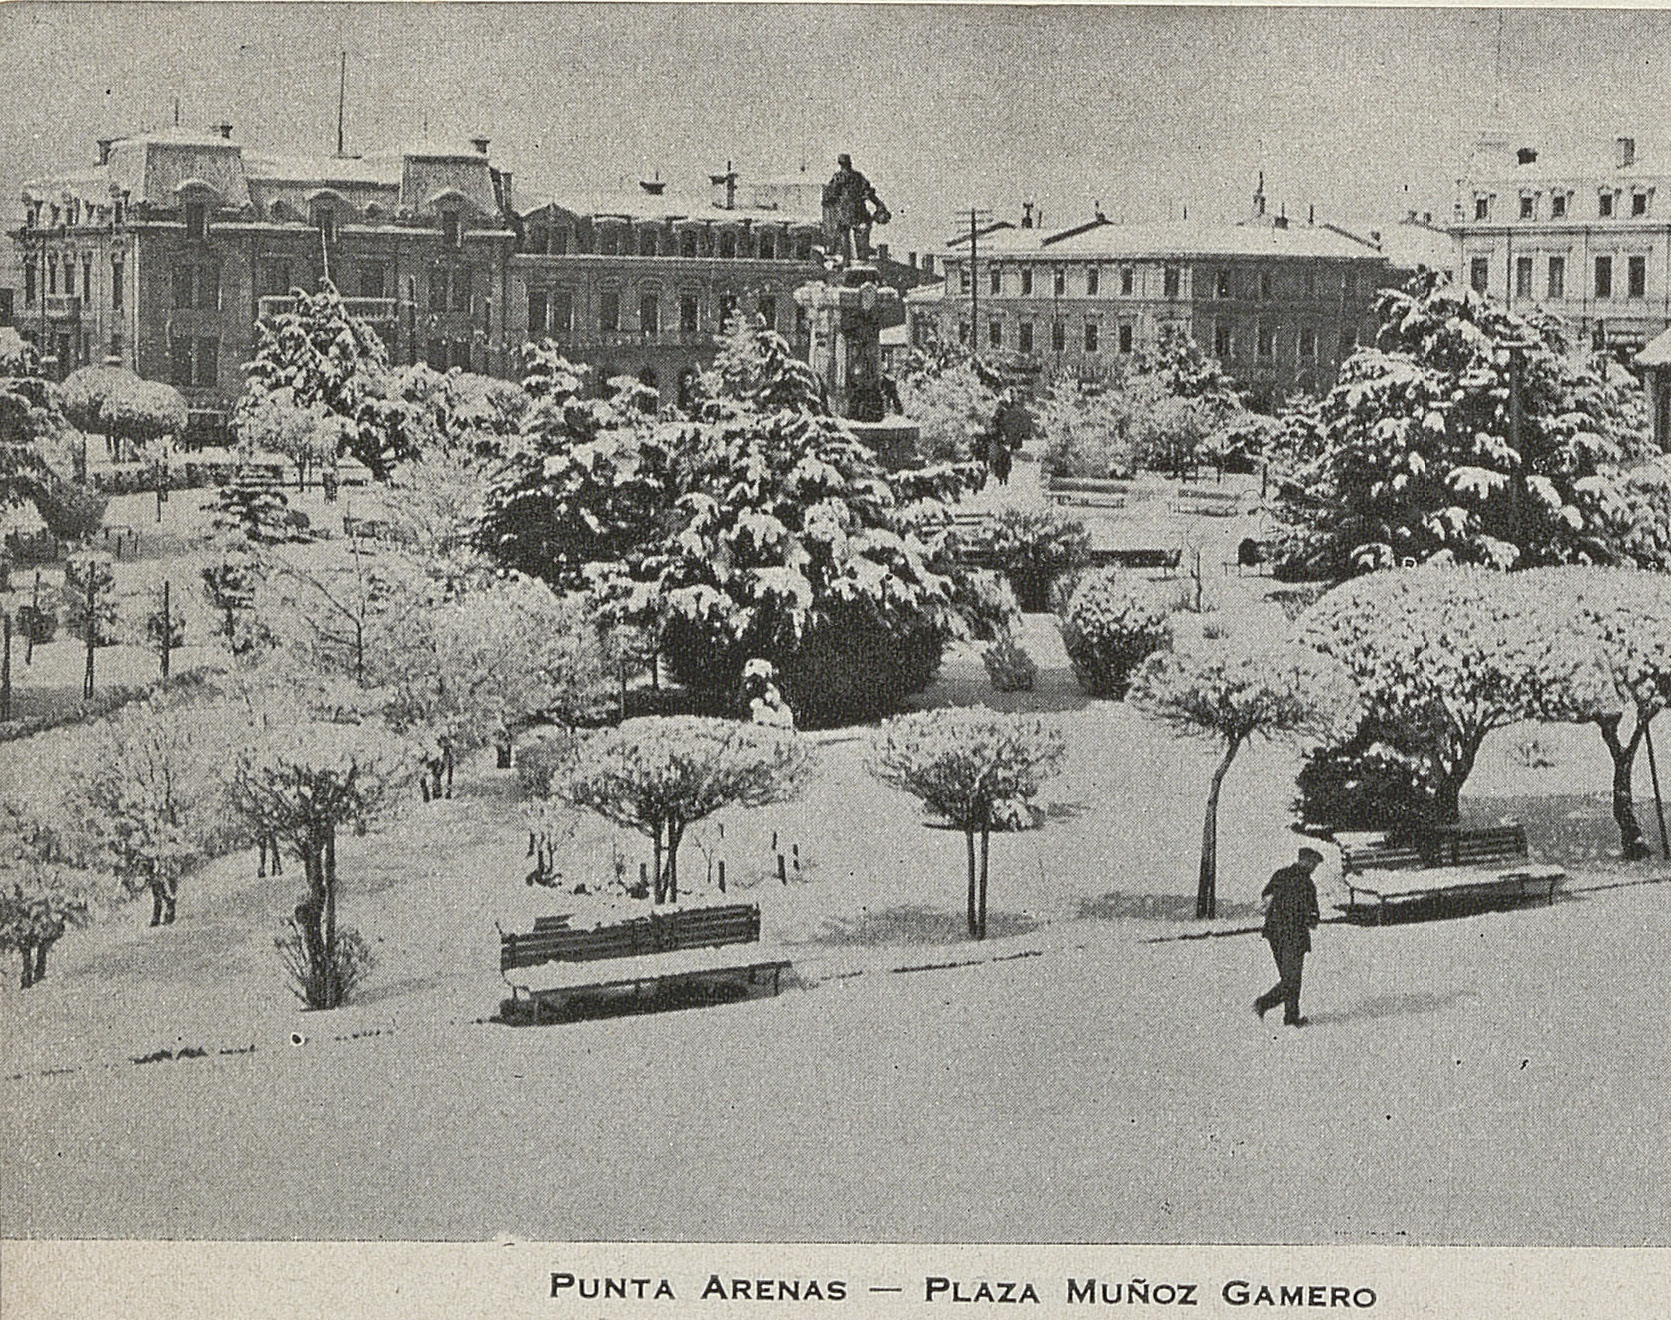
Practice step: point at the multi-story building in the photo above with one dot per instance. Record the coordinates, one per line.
(1587, 238)
(168, 251)
(642, 284)
(1280, 304)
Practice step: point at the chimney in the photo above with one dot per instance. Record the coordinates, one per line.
(1526, 156)
(655, 187)
(1375, 237)
(881, 251)
(480, 144)
(1427, 217)
(1259, 196)
(1625, 151)
(911, 259)
(1311, 213)
(222, 130)
(928, 263)
(104, 150)
(505, 189)
(1026, 215)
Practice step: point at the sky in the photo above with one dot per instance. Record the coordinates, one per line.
(1146, 111)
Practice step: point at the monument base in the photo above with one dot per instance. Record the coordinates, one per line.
(893, 441)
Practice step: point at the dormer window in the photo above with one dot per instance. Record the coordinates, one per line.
(1639, 204)
(197, 221)
(1528, 207)
(325, 221)
(1557, 206)
(1604, 205)
(452, 230)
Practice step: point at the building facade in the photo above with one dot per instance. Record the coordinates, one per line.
(1279, 304)
(168, 252)
(642, 284)
(1587, 239)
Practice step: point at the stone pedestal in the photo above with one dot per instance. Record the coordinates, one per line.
(845, 322)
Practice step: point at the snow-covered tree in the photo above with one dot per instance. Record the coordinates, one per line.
(953, 404)
(44, 892)
(272, 421)
(976, 770)
(155, 789)
(137, 413)
(17, 354)
(1236, 694)
(302, 782)
(1442, 657)
(1467, 430)
(661, 775)
(84, 391)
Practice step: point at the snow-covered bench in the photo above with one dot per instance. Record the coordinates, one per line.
(1441, 872)
(677, 954)
(1213, 501)
(1089, 492)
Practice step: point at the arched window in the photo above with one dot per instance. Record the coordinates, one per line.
(646, 242)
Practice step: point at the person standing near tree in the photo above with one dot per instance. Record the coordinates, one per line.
(1290, 914)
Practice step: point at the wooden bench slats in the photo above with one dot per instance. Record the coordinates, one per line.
(1456, 851)
(693, 928)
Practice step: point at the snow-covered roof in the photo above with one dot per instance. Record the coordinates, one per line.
(1179, 239)
(667, 206)
(926, 293)
(1658, 351)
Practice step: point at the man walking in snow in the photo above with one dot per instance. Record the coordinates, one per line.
(1290, 914)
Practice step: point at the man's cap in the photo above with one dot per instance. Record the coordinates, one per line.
(1311, 855)
(844, 159)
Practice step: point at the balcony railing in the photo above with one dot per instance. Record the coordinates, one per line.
(364, 309)
(63, 305)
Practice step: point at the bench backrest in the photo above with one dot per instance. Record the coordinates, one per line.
(689, 928)
(1141, 557)
(1446, 847)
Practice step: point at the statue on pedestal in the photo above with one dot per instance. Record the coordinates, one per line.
(851, 206)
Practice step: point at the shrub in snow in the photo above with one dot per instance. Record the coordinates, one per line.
(661, 774)
(1111, 624)
(1234, 696)
(1009, 666)
(44, 893)
(1030, 547)
(974, 769)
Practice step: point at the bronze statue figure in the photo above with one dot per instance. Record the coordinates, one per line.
(851, 206)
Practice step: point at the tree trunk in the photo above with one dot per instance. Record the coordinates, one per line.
(1632, 843)
(40, 960)
(675, 836)
(1448, 799)
(27, 953)
(155, 885)
(329, 870)
(1206, 889)
(657, 889)
(974, 925)
(986, 839)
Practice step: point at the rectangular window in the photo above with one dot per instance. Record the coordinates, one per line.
(649, 313)
(1482, 208)
(1557, 206)
(727, 308)
(1479, 274)
(116, 289)
(1636, 277)
(963, 279)
(1522, 277)
(1528, 208)
(1127, 276)
(87, 279)
(1060, 285)
(179, 362)
(690, 313)
(963, 333)
(197, 221)
(1093, 280)
(51, 274)
(609, 310)
(1125, 338)
(1267, 343)
(183, 287)
(1024, 334)
(995, 280)
(1604, 205)
(1092, 332)
(1604, 277)
(1307, 344)
(29, 283)
(1557, 277)
(461, 289)
(1221, 340)
(1221, 284)
(452, 232)
(646, 242)
(539, 311)
(995, 334)
(1026, 281)
(207, 373)
(1639, 204)
(687, 243)
(1171, 282)
(560, 319)
(1058, 336)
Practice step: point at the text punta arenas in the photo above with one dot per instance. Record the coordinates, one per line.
(564, 1284)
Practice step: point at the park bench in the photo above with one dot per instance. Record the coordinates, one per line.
(1211, 501)
(660, 957)
(1441, 872)
(372, 529)
(1137, 557)
(1089, 492)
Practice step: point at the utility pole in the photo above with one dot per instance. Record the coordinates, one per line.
(976, 217)
(167, 627)
(342, 96)
(6, 668)
(1659, 802)
(92, 628)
